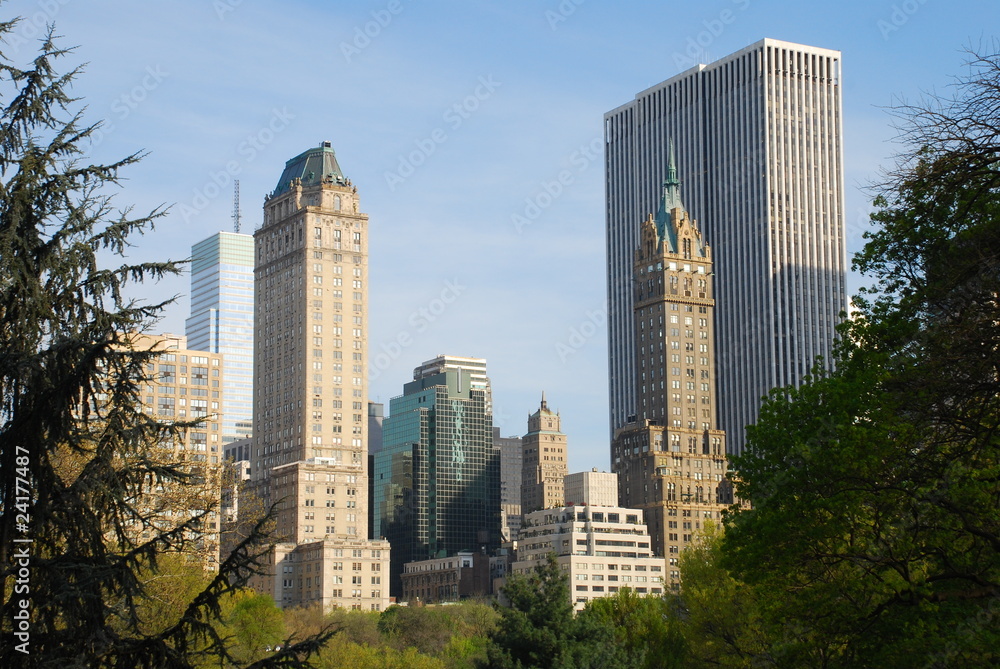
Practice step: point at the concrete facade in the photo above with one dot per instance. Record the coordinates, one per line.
(509, 449)
(592, 488)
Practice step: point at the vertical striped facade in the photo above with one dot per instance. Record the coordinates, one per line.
(760, 158)
(221, 320)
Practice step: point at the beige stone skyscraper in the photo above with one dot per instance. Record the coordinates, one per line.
(544, 465)
(671, 462)
(311, 388)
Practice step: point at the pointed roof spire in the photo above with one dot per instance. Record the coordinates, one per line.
(670, 199)
(671, 179)
(544, 406)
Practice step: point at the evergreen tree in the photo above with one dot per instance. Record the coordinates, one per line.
(538, 629)
(77, 451)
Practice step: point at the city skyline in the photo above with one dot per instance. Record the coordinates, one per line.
(240, 95)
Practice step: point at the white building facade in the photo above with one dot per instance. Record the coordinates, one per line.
(602, 549)
(592, 488)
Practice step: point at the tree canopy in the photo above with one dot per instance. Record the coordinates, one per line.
(874, 533)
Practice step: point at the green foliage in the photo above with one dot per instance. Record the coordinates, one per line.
(874, 537)
(446, 637)
(646, 627)
(428, 629)
(343, 654)
(256, 625)
(538, 629)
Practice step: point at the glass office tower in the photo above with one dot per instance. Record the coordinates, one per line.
(437, 477)
(221, 321)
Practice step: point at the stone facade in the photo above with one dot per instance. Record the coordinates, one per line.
(671, 462)
(310, 438)
(602, 549)
(543, 461)
(184, 385)
(449, 579)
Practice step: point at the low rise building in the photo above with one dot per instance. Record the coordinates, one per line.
(603, 549)
(448, 579)
(331, 572)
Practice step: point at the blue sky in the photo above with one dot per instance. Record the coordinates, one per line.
(451, 118)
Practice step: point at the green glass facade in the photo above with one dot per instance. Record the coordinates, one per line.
(437, 478)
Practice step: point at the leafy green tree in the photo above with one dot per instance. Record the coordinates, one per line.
(538, 629)
(874, 537)
(77, 451)
(647, 627)
(256, 626)
(343, 654)
(426, 628)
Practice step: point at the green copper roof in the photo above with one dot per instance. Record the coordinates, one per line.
(312, 167)
(670, 198)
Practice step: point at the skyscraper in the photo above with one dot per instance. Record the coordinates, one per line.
(543, 461)
(437, 477)
(221, 320)
(671, 460)
(309, 449)
(758, 139)
(509, 449)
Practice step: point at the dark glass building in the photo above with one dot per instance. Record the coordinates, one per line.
(437, 477)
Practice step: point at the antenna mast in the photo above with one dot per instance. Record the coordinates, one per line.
(236, 206)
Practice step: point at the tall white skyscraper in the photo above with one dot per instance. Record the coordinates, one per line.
(221, 321)
(759, 150)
